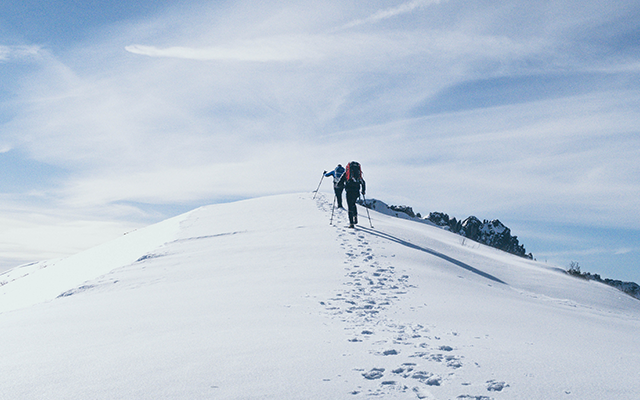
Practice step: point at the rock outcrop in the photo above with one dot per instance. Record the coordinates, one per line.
(492, 233)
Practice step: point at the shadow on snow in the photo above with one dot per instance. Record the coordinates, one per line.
(432, 252)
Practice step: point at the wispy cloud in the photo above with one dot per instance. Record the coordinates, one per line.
(387, 13)
(624, 250)
(29, 233)
(9, 53)
(157, 115)
(269, 49)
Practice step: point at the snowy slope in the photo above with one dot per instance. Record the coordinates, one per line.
(263, 299)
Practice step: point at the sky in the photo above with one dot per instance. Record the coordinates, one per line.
(115, 115)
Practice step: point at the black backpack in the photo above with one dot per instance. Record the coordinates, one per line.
(354, 171)
(353, 175)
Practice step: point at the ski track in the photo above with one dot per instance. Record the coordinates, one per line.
(372, 285)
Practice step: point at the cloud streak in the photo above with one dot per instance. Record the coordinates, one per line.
(384, 14)
(271, 49)
(12, 53)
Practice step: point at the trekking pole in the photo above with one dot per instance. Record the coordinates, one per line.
(332, 208)
(367, 208)
(316, 192)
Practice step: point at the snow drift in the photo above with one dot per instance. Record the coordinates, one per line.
(263, 299)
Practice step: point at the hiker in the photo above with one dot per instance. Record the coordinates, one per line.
(338, 187)
(352, 180)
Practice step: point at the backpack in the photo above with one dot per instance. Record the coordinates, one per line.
(353, 176)
(354, 171)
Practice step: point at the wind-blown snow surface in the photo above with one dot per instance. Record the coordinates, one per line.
(263, 299)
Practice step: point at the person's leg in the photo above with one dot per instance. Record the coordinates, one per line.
(338, 192)
(353, 211)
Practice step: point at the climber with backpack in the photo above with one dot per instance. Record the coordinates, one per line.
(338, 187)
(352, 181)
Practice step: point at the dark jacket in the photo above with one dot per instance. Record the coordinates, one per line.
(353, 184)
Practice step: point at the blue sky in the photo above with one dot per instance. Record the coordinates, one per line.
(115, 115)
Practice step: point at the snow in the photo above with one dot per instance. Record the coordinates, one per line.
(263, 299)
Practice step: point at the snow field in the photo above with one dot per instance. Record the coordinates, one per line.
(263, 299)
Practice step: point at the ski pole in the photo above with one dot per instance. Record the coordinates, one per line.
(332, 208)
(367, 208)
(316, 192)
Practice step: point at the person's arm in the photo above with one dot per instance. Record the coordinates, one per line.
(343, 179)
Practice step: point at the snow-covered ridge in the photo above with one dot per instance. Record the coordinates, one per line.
(35, 283)
(492, 233)
(630, 288)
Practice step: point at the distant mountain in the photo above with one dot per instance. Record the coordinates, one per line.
(630, 288)
(492, 233)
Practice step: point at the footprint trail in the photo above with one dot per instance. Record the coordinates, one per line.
(410, 359)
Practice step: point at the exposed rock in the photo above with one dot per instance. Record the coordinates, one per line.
(443, 220)
(492, 233)
(404, 209)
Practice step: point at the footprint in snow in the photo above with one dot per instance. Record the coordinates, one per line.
(495, 386)
(375, 373)
(423, 393)
(427, 378)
